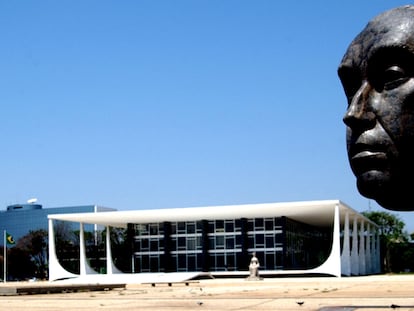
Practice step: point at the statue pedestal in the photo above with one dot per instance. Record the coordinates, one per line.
(254, 278)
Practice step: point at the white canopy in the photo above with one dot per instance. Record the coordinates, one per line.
(318, 213)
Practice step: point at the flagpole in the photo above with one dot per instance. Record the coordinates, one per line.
(5, 258)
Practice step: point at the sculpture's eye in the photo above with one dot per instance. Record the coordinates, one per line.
(393, 77)
(388, 77)
(389, 68)
(351, 81)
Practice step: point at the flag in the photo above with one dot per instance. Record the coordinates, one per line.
(9, 239)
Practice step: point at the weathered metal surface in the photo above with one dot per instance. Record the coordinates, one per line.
(377, 73)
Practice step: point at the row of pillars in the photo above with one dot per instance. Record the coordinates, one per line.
(360, 248)
(360, 251)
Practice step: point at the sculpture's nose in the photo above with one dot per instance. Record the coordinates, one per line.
(360, 114)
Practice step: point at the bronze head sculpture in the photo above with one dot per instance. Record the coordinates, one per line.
(377, 74)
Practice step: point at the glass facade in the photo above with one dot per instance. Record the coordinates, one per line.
(306, 246)
(227, 245)
(267, 240)
(186, 246)
(18, 220)
(149, 241)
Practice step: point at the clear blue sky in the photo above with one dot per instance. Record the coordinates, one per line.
(157, 104)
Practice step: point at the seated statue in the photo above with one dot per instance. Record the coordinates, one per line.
(254, 268)
(377, 74)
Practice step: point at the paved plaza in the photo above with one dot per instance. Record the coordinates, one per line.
(380, 292)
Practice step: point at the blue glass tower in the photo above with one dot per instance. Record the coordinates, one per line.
(19, 219)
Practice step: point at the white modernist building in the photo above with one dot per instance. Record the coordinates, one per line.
(312, 237)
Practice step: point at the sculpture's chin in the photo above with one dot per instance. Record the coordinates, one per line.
(372, 183)
(391, 195)
(396, 204)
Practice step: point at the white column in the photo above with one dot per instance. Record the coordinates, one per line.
(377, 252)
(368, 258)
(354, 250)
(374, 268)
(82, 251)
(108, 252)
(345, 256)
(361, 249)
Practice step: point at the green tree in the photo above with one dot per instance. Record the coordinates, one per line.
(19, 264)
(392, 237)
(34, 244)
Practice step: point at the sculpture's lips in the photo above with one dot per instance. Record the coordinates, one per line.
(369, 154)
(366, 160)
